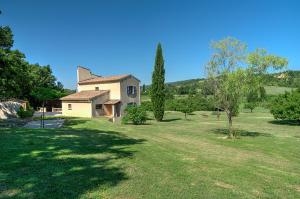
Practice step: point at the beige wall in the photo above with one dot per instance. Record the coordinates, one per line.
(118, 90)
(114, 88)
(79, 109)
(125, 99)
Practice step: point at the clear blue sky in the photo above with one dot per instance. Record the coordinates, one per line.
(120, 36)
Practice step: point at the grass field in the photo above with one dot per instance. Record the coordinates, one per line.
(276, 90)
(176, 158)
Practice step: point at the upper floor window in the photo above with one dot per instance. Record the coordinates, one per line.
(96, 88)
(131, 91)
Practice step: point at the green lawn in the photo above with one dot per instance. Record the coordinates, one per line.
(176, 158)
(276, 90)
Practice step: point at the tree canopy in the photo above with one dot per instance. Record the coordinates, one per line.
(287, 106)
(18, 78)
(235, 74)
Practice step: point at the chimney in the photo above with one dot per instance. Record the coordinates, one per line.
(83, 73)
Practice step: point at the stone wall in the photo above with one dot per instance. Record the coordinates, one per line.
(9, 109)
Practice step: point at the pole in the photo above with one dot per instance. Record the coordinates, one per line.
(43, 115)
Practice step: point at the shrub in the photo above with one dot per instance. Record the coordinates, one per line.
(287, 106)
(135, 114)
(251, 106)
(197, 103)
(25, 113)
(147, 106)
(185, 106)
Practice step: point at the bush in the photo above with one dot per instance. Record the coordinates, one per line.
(25, 113)
(147, 106)
(135, 114)
(185, 106)
(287, 106)
(197, 103)
(251, 106)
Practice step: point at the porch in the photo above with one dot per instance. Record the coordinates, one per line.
(110, 108)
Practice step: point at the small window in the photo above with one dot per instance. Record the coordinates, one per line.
(96, 88)
(131, 90)
(69, 106)
(98, 106)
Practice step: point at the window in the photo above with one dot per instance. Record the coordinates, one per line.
(69, 106)
(131, 91)
(98, 106)
(96, 88)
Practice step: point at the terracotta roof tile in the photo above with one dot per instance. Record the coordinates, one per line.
(84, 95)
(104, 79)
(112, 102)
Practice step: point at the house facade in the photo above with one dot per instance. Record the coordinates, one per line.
(101, 96)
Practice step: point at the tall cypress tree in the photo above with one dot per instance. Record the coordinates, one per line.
(158, 85)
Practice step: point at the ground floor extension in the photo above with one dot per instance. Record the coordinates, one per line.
(90, 104)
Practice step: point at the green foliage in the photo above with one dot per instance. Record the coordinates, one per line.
(231, 80)
(135, 114)
(18, 78)
(169, 93)
(260, 61)
(147, 105)
(158, 85)
(227, 76)
(252, 99)
(286, 106)
(262, 93)
(251, 106)
(43, 94)
(207, 87)
(25, 113)
(6, 37)
(196, 103)
(185, 106)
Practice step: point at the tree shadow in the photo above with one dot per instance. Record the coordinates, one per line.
(69, 122)
(171, 120)
(285, 122)
(241, 133)
(62, 163)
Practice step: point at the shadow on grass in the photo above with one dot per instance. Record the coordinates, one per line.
(285, 122)
(61, 163)
(241, 133)
(171, 120)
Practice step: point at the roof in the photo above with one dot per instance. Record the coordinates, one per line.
(114, 78)
(112, 102)
(84, 95)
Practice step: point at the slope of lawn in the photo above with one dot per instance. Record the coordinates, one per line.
(276, 90)
(176, 158)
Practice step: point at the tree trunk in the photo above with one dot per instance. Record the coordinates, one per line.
(43, 115)
(218, 114)
(230, 126)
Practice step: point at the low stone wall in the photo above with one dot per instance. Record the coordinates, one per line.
(9, 109)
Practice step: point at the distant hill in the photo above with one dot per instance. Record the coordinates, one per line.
(185, 82)
(290, 78)
(275, 83)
